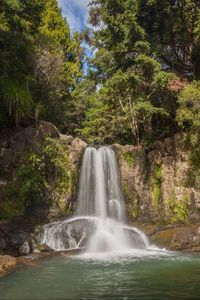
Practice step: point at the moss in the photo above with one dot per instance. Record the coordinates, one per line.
(132, 199)
(178, 210)
(157, 181)
(129, 158)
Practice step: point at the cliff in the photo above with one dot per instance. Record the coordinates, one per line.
(161, 191)
(38, 179)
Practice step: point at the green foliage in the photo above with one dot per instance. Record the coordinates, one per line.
(129, 158)
(123, 101)
(162, 95)
(188, 113)
(179, 210)
(56, 161)
(27, 189)
(78, 104)
(17, 99)
(43, 172)
(188, 117)
(40, 62)
(147, 67)
(173, 30)
(134, 92)
(54, 26)
(96, 129)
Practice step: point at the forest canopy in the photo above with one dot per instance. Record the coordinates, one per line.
(141, 84)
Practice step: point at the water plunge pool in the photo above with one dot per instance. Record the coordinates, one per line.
(153, 275)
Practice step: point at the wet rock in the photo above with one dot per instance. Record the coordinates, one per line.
(17, 238)
(148, 229)
(178, 238)
(3, 243)
(7, 264)
(25, 248)
(44, 248)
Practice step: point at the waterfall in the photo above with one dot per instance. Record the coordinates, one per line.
(99, 224)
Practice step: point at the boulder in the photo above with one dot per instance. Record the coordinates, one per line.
(17, 238)
(46, 129)
(178, 238)
(25, 248)
(7, 264)
(45, 248)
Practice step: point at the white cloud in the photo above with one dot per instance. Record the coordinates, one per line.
(76, 12)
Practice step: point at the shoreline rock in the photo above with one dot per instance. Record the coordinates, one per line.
(7, 264)
(175, 238)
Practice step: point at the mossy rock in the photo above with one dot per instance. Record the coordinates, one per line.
(129, 158)
(178, 211)
(132, 201)
(157, 181)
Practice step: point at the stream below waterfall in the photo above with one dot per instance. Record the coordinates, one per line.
(155, 276)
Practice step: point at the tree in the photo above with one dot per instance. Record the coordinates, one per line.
(172, 28)
(57, 65)
(40, 62)
(20, 24)
(188, 113)
(126, 72)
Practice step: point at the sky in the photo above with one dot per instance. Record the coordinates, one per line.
(76, 12)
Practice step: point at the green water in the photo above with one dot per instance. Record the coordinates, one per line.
(158, 276)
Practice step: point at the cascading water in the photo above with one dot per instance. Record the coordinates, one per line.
(99, 222)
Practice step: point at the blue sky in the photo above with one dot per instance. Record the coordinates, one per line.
(76, 12)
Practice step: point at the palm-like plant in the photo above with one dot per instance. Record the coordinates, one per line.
(17, 100)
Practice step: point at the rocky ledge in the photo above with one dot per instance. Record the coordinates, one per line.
(174, 237)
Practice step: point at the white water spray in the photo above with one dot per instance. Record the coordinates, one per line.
(99, 222)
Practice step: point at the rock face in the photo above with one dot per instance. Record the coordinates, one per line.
(50, 159)
(38, 178)
(156, 183)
